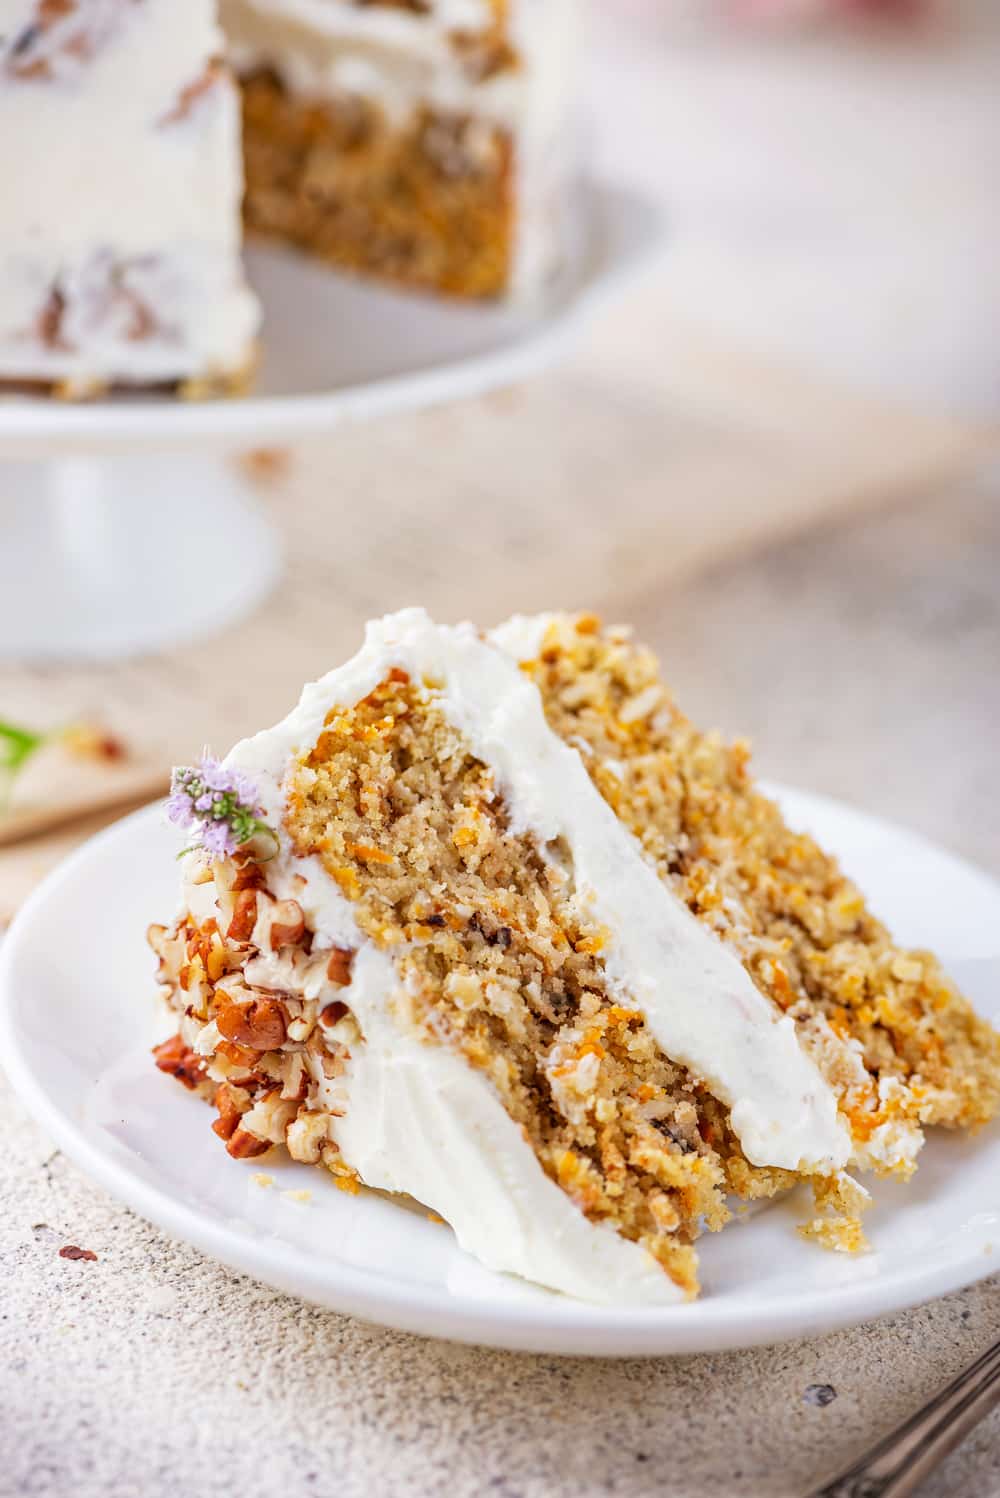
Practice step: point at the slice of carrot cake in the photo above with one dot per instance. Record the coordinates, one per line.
(486, 921)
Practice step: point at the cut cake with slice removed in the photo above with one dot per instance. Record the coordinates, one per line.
(487, 922)
(427, 143)
(120, 187)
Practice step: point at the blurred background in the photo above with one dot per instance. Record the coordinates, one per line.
(832, 170)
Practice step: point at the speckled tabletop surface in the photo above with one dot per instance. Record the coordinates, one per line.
(153, 1371)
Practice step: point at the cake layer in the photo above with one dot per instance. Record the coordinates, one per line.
(429, 145)
(120, 226)
(427, 202)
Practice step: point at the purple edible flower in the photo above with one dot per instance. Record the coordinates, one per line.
(222, 805)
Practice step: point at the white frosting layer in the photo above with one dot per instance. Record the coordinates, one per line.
(402, 60)
(323, 48)
(329, 47)
(125, 195)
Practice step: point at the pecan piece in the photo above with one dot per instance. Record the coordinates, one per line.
(338, 969)
(229, 1115)
(244, 916)
(287, 924)
(332, 1013)
(238, 1055)
(200, 942)
(296, 1083)
(243, 1145)
(178, 1060)
(260, 1025)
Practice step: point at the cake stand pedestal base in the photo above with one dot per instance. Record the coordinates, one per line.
(106, 557)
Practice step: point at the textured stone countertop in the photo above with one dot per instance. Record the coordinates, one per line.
(863, 660)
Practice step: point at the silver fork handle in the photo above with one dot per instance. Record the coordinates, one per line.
(901, 1460)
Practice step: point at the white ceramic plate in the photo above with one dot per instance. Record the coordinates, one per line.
(76, 1024)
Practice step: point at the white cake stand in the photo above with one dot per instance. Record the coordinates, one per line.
(126, 527)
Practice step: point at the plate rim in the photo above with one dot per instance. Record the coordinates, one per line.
(705, 1325)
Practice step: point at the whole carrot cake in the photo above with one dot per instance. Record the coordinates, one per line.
(485, 920)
